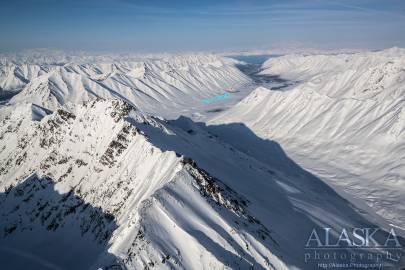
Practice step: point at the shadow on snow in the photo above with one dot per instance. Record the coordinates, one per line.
(41, 228)
(284, 197)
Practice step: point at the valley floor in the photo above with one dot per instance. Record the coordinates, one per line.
(335, 171)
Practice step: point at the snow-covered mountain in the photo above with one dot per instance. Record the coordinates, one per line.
(93, 177)
(164, 85)
(344, 120)
(142, 193)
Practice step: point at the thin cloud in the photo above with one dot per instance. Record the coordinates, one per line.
(362, 8)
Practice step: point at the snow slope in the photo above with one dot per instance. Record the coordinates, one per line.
(91, 180)
(119, 189)
(93, 174)
(165, 85)
(345, 121)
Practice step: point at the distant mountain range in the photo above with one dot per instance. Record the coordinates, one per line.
(105, 163)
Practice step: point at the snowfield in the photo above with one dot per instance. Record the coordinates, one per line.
(106, 163)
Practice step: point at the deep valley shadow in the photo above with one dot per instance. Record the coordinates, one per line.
(252, 66)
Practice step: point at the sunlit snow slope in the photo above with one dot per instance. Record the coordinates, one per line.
(111, 186)
(345, 121)
(166, 85)
(92, 177)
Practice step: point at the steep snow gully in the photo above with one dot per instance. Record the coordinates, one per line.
(111, 163)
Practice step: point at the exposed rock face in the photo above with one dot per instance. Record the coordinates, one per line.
(75, 173)
(35, 203)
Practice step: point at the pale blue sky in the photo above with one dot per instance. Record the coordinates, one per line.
(177, 25)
